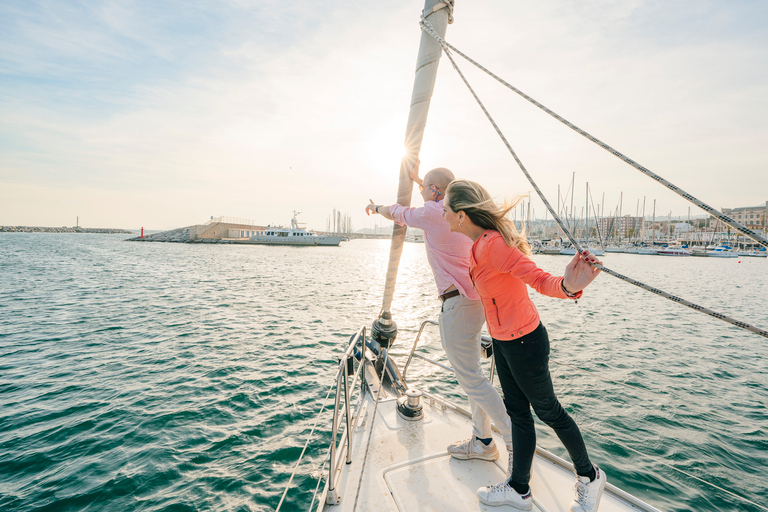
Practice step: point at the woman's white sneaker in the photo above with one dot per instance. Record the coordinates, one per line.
(588, 493)
(473, 448)
(503, 494)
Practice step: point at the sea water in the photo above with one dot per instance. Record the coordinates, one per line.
(158, 376)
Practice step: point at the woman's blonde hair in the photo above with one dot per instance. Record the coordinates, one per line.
(471, 198)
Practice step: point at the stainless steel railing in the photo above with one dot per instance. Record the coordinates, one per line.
(341, 410)
(485, 340)
(346, 367)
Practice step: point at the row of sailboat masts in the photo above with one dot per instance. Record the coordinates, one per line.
(613, 229)
(339, 224)
(596, 228)
(593, 226)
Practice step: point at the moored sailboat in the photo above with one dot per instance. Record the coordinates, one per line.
(722, 251)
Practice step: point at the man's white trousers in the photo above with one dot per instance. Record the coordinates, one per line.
(460, 324)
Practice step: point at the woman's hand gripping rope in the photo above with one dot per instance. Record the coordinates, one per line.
(580, 272)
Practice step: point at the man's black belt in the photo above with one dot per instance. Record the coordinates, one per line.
(447, 295)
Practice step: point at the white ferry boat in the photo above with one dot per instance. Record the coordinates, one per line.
(295, 235)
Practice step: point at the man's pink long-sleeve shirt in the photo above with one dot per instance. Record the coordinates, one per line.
(447, 252)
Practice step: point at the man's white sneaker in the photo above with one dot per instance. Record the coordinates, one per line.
(473, 448)
(503, 494)
(588, 493)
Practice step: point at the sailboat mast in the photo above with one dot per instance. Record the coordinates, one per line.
(573, 182)
(586, 217)
(528, 217)
(559, 211)
(602, 209)
(423, 85)
(621, 219)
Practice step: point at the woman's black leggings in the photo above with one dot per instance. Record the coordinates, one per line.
(523, 368)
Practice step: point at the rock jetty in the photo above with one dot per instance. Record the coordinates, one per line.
(178, 235)
(181, 235)
(39, 229)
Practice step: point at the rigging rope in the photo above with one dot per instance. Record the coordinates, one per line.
(296, 466)
(445, 4)
(712, 211)
(319, 480)
(762, 332)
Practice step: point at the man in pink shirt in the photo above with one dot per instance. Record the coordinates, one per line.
(461, 316)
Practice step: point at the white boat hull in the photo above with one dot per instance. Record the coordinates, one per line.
(572, 252)
(673, 252)
(722, 252)
(300, 241)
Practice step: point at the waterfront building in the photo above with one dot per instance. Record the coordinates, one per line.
(219, 228)
(753, 217)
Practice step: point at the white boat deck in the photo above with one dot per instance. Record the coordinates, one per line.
(408, 468)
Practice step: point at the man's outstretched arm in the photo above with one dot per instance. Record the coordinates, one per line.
(378, 208)
(382, 210)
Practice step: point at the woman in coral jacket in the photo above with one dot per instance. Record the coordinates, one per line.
(500, 270)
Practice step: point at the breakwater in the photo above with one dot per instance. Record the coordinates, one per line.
(181, 235)
(63, 229)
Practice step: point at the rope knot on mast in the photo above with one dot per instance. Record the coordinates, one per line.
(445, 4)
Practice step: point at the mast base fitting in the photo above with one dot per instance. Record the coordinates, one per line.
(409, 406)
(486, 349)
(384, 330)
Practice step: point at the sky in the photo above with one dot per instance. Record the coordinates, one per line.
(162, 114)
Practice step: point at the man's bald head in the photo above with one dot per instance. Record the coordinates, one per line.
(440, 177)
